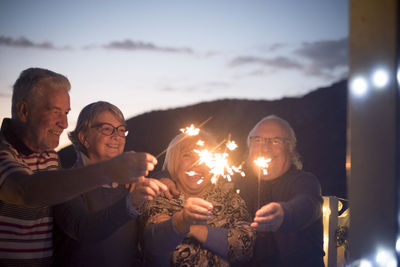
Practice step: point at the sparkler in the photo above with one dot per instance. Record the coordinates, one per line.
(189, 131)
(218, 162)
(262, 164)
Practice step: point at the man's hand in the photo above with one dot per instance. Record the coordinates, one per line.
(129, 166)
(172, 190)
(269, 218)
(146, 189)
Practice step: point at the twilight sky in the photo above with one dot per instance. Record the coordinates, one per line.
(149, 55)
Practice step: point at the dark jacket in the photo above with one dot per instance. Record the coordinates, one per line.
(299, 241)
(95, 229)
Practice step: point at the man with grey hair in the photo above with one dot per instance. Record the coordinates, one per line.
(29, 180)
(286, 202)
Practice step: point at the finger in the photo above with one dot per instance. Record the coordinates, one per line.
(145, 157)
(174, 190)
(166, 194)
(202, 203)
(267, 210)
(160, 185)
(264, 219)
(196, 210)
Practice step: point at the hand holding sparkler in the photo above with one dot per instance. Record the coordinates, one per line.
(269, 218)
(146, 189)
(195, 211)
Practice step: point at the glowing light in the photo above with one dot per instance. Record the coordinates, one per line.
(365, 263)
(200, 143)
(385, 258)
(359, 86)
(398, 76)
(238, 191)
(231, 145)
(398, 245)
(380, 78)
(218, 163)
(263, 164)
(191, 130)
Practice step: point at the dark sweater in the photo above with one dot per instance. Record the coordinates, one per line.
(299, 240)
(95, 229)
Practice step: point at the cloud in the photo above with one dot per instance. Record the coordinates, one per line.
(132, 45)
(23, 42)
(276, 62)
(326, 59)
(274, 47)
(324, 56)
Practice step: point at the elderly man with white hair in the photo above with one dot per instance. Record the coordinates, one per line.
(288, 216)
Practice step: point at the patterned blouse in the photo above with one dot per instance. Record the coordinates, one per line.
(230, 212)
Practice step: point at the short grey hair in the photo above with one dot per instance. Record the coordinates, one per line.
(86, 118)
(29, 86)
(296, 161)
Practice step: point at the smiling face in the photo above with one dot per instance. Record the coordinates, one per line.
(47, 118)
(188, 162)
(101, 147)
(279, 152)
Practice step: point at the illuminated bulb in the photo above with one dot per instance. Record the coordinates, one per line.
(398, 76)
(340, 205)
(238, 191)
(365, 263)
(326, 241)
(398, 245)
(380, 78)
(359, 86)
(384, 258)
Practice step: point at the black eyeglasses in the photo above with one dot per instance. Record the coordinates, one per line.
(275, 141)
(108, 129)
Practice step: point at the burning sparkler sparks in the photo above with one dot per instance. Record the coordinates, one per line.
(200, 143)
(191, 130)
(231, 145)
(218, 163)
(263, 164)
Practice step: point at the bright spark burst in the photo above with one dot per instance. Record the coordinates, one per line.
(231, 145)
(218, 165)
(263, 164)
(200, 143)
(191, 130)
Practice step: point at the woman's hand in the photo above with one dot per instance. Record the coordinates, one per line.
(146, 189)
(195, 211)
(172, 190)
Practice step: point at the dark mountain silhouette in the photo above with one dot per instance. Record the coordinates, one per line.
(318, 118)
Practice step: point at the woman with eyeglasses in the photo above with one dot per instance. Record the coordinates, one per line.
(99, 228)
